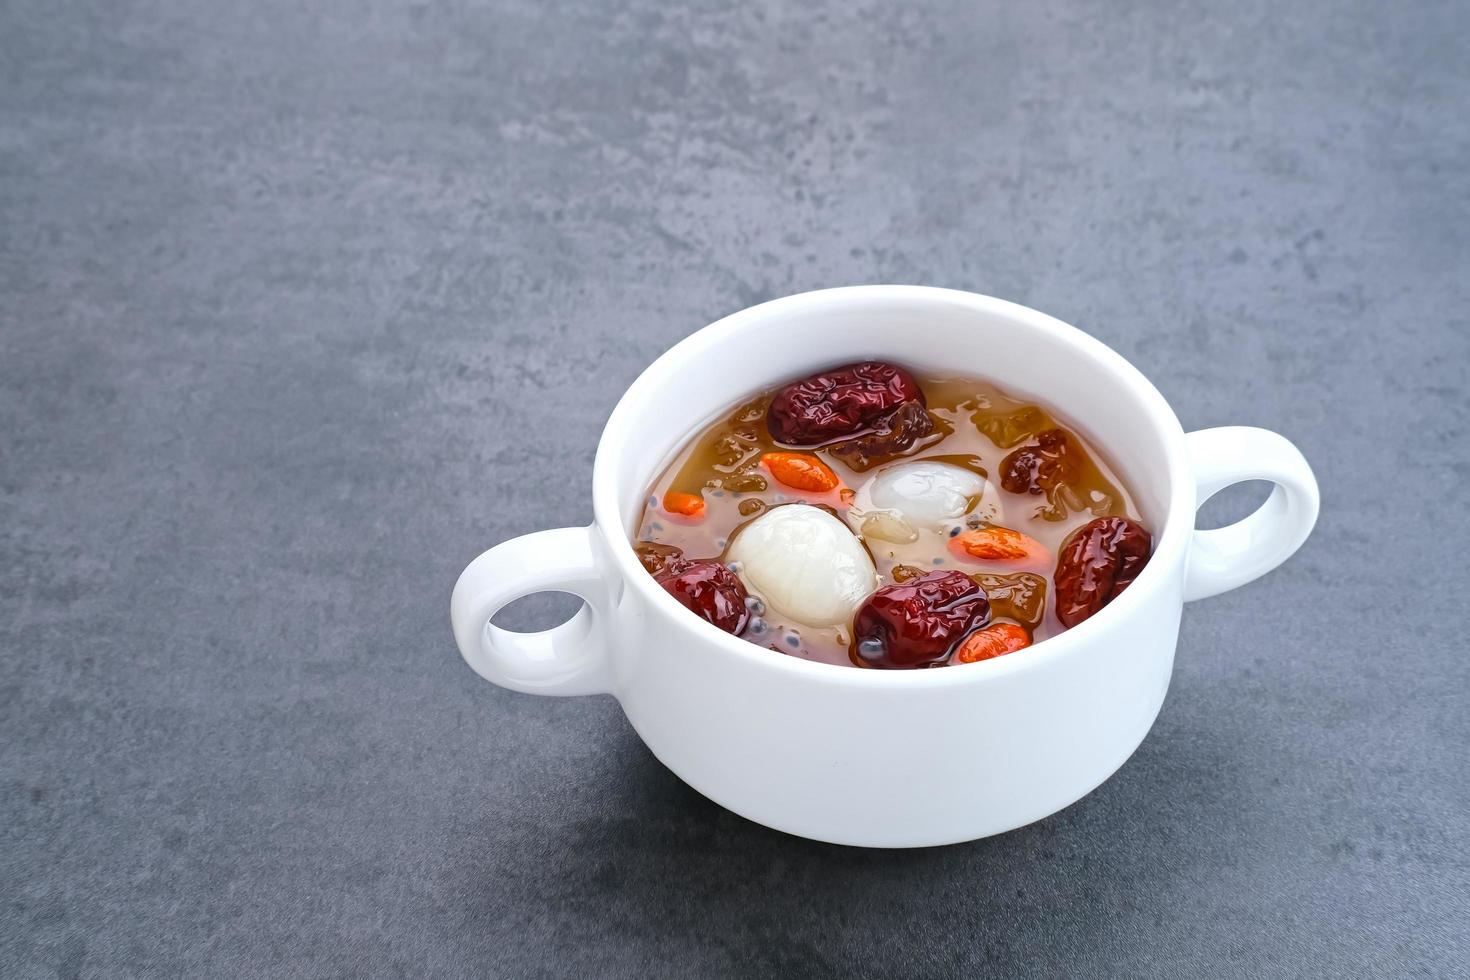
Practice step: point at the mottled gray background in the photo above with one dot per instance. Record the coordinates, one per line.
(304, 304)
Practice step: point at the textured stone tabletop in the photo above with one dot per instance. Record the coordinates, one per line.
(302, 305)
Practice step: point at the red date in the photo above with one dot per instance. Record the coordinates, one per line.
(709, 590)
(1098, 561)
(840, 403)
(919, 622)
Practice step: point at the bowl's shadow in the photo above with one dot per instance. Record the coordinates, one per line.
(630, 870)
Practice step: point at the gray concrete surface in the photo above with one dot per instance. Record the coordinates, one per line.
(303, 304)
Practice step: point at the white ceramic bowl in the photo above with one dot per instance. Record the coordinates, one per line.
(870, 757)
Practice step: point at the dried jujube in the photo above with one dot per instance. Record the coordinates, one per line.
(918, 623)
(709, 590)
(840, 403)
(1097, 562)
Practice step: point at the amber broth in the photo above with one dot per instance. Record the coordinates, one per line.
(725, 455)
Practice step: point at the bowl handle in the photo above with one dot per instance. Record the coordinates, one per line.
(566, 659)
(1229, 557)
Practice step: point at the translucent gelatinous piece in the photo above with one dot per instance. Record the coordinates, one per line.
(1018, 595)
(883, 526)
(1011, 425)
(744, 483)
(1055, 465)
(654, 557)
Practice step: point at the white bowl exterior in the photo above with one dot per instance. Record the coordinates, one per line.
(893, 758)
(888, 767)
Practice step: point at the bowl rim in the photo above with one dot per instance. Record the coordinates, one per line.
(1166, 561)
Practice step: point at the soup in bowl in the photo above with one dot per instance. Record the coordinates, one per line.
(870, 516)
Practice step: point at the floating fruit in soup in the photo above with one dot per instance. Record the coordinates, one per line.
(925, 493)
(805, 564)
(869, 516)
(709, 590)
(919, 622)
(840, 403)
(1099, 561)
